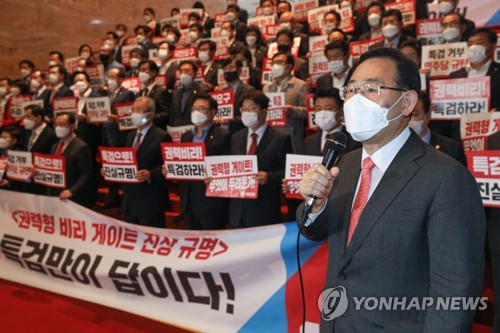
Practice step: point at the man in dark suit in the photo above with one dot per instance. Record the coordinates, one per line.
(40, 91)
(243, 17)
(482, 44)
(78, 161)
(391, 22)
(57, 58)
(199, 211)
(233, 13)
(143, 33)
(149, 17)
(57, 75)
(39, 138)
(168, 64)
(228, 29)
(450, 6)
(148, 70)
(183, 97)
(411, 224)
(494, 241)
(419, 122)
(271, 146)
(206, 53)
(337, 54)
(287, 22)
(146, 201)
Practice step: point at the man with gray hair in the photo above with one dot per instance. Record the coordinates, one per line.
(145, 202)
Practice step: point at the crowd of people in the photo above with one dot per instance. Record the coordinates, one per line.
(184, 100)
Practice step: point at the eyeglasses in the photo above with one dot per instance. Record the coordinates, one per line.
(369, 89)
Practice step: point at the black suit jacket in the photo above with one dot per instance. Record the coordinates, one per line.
(78, 171)
(145, 198)
(236, 124)
(91, 134)
(402, 40)
(63, 91)
(162, 98)
(45, 97)
(271, 156)
(448, 146)
(217, 142)
(312, 144)
(422, 228)
(325, 81)
(179, 116)
(494, 213)
(113, 137)
(211, 76)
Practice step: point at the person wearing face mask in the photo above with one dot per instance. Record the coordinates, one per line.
(243, 17)
(391, 22)
(171, 34)
(78, 160)
(26, 67)
(387, 211)
(227, 30)
(373, 15)
(143, 33)
(194, 35)
(148, 70)
(183, 97)
(267, 7)
(135, 59)
(149, 18)
(419, 123)
(284, 41)
(146, 201)
(5, 101)
(168, 64)
(453, 28)
(10, 139)
(206, 21)
(233, 13)
(108, 59)
(206, 53)
(337, 54)
(331, 21)
(287, 23)
(253, 42)
(270, 145)
(57, 86)
(57, 58)
(199, 211)
(450, 6)
(295, 96)
(39, 138)
(285, 6)
(39, 90)
(121, 31)
(85, 52)
(255, 74)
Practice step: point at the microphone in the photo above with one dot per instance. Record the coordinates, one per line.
(335, 145)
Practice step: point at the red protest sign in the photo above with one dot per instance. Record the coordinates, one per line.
(276, 112)
(485, 166)
(124, 112)
(119, 164)
(296, 167)
(19, 165)
(225, 102)
(65, 104)
(16, 105)
(184, 161)
(133, 84)
(50, 170)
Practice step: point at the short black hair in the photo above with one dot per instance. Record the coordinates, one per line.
(189, 62)
(233, 6)
(233, 26)
(407, 74)
(199, 5)
(27, 62)
(36, 110)
(75, 73)
(334, 13)
(195, 15)
(9, 81)
(492, 36)
(337, 44)
(211, 44)
(175, 9)
(412, 43)
(287, 2)
(137, 50)
(171, 46)
(150, 10)
(145, 28)
(329, 93)
(339, 30)
(152, 65)
(460, 17)
(15, 132)
(114, 34)
(258, 97)
(287, 32)
(173, 29)
(289, 58)
(262, 1)
(121, 26)
(87, 45)
(254, 28)
(197, 26)
(59, 54)
(42, 73)
(61, 69)
(71, 116)
(426, 101)
(392, 12)
(376, 4)
(207, 97)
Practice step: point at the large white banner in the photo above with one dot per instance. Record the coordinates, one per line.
(484, 12)
(211, 281)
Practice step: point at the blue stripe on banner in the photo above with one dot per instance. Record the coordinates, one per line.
(272, 317)
(495, 19)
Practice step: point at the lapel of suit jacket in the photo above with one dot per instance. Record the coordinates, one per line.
(242, 144)
(209, 139)
(265, 140)
(145, 141)
(399, 173)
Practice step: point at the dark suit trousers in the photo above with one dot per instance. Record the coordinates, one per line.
(195, 220)
(155, 220)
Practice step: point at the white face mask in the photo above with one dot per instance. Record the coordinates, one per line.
(198, 118)
(445, 7)
(277, 70)
(345, 4)
(417, 125)
(374, 20)
(80, 86)
(139, 119)
(4, 143)
(147, 18)
(325, 119)
(85, 55)
(144, 77)
(251, 40)
(52, 63)
(162, 54)
(120, 33)
(365, 118)
(79, 69)
(34, 84)
(53, 79)
(451, 34)
(61, 132)
(112, 84)
(476, 53)
(285, 26)
(336, 66)
(390, 31)
(25, 72)
(15, 91)
(28, 124)
(225, 33)
(329, 27)
(193, 35)
(186, 79)
(134, 62)
(267, 11)
(204, 56)
(191, 23)
(3, 91)
(250, 119)
(231, 16)
(140, 38)
(171, 38)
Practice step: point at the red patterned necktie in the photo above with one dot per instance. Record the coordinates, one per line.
(137, 141)
(59, 148)
(253, 144)
(362, 196)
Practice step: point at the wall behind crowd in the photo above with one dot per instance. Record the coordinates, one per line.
(31, 29)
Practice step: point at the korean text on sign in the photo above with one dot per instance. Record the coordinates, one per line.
(119, 164)
(184, 161)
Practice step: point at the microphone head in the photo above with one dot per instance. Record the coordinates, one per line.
(336, 142)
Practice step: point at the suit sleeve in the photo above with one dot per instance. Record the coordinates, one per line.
(285, 148)
(456, 231)
(318, 230)
(161, 114)
(85, 167)
(299, 111)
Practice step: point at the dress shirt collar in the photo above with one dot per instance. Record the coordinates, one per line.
(385, 155)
